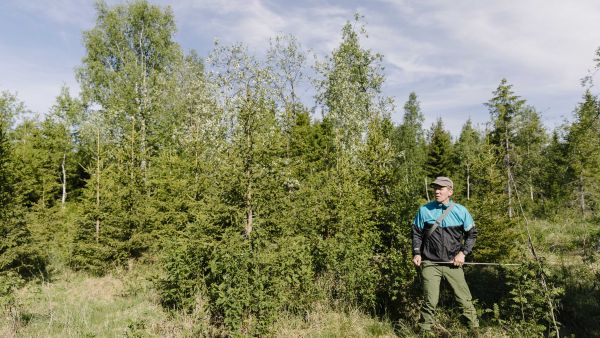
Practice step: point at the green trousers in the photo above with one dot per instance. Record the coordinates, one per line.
(432, 276)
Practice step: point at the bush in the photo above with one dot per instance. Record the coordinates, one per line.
(525, 309)
(18, 252)
(248, 281)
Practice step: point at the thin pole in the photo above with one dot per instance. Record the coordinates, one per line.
(480, 263)
(537, 259)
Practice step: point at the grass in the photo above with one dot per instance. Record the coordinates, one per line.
(125, 303)
(569, 244)
(322, 322)
(74, 304)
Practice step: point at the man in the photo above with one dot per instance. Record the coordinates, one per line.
(440, 251)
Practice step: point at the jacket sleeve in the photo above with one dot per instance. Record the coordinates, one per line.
(417, 239)
(470, 237)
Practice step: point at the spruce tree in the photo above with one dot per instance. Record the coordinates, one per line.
(504, 108)
(497, 233)
(37, 167)
(530, 141)
(466, 151)
(411, 149)
(554, 178)
(350, 94)
(18, 252)
(582, 142)
(439, 152)
(128, 77)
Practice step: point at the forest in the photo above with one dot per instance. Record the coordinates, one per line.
(214, 200)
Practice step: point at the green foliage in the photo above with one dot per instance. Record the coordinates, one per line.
(554, 176)
(383, 177)
(497, 233)
(584, 163)
(129, 72)
(530, 141)
(46, 155)
(580, 303)
(105, 232)
(505, 109)
(253, 208)
(526, 309)
(184, 263)
(352, 81)
(18, 252)
(9, 283)
(439, 154)
(346, 249)
(411, 154)
(466, 152)
(248, 283)
(128, 51)
(9, 303)
(37, 164)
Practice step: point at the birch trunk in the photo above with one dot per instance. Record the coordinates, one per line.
(508, 174)
(468, 184)
(581, 194)
(98, 185)
(64, 180)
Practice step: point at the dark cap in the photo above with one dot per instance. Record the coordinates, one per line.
(443, 182)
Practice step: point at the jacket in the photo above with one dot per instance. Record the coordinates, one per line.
(456, 233)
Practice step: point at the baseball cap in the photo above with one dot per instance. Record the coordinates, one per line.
(443, 181)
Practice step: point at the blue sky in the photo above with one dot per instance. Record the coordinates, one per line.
(453, 54)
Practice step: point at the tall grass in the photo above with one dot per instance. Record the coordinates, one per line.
(125, 303)
(73, 304)
(323, 321)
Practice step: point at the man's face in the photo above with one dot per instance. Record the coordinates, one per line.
(442, 194)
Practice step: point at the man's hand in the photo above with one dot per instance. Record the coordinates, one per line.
(417, 260)
(459, 259)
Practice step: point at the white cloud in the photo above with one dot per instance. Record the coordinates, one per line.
(453, 54)
(544, 37)
(231, 21)
(67, 12)
(448, 50)
(254, 22)
(36, 78)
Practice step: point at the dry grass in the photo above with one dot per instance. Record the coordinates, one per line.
(123, 304)
(322, 321)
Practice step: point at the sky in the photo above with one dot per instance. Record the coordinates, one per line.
(452, 54)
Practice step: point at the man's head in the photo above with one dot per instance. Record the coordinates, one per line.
(443, 188)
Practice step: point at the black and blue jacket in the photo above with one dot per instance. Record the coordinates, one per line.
(456, 233)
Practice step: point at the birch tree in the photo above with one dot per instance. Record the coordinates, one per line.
(127, 77)
(350, 94)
